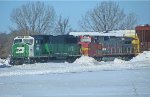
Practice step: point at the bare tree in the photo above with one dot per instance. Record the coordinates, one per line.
(105, 16)
(62, 26)
(4, 52)
(34, 17)
(6, 41)
(129, 22)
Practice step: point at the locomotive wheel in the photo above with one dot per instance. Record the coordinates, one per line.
(70, 59)
(18, 62)
(98, 58)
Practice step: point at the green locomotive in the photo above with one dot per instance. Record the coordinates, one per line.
(43, 48)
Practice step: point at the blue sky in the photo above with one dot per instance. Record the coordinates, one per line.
(74, 10)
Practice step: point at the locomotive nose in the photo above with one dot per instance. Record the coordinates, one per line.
(20, 50)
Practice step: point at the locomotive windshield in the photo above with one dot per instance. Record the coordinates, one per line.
(17, 41)
(28, 41)
(85, 39)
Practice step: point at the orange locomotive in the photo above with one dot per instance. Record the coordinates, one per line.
(89, 47)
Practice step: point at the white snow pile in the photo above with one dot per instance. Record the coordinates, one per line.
(145, 56)
(85, 60)
(4, 62)
(141, 57)
(119, 61)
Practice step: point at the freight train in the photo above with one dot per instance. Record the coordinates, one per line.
(43, 48)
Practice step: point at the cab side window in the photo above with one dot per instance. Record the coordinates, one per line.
(38, 41)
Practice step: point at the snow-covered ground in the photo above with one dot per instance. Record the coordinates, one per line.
(85, 77)
(82, 64)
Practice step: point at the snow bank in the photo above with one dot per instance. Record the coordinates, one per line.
(4, 63)
(145, 56)
(119, 61)
(141, 57)
(82, 64)
(85, 60)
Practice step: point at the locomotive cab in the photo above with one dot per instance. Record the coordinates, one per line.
(22, 49)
